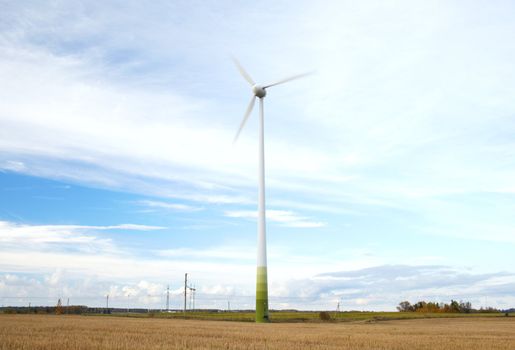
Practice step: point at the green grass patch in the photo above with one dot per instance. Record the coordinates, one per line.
(303, 316)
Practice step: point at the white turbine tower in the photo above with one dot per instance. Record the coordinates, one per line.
(259, 91)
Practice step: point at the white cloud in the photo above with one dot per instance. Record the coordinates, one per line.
(110, 129)
(222, 252)
(78, 237)
(110, 268)
(13, 166)
(384, 286)
(283, 217)
(376, 288)
(169, 206)
(82, 251)
(133, 227)
(55, 278)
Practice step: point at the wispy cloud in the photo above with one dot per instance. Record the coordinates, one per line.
(70, 236)
(50, 238)
(222, 252)
(283, 217)
(168, 206)
(13, 166)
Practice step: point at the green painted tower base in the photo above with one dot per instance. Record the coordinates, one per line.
(262, 295)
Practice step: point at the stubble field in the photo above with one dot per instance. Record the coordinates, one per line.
(97, 332)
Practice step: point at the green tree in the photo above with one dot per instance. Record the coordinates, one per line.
(405, 306)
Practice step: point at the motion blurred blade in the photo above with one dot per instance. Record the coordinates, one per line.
(243, 72)
(285, 80)
(245, 117)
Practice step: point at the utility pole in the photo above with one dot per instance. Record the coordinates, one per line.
(185, 290)
(228, 305)
(107, 303)
(128, 307)
(168, 298)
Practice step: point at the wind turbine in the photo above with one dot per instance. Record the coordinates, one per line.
(259, 91)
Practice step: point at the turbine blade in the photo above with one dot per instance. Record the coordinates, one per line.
(285, 80)
(243, 72)
(245, 117)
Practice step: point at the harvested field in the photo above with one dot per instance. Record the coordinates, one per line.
(97, 332)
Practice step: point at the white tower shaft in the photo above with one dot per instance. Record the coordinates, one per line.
(261, 275)
(261, 253)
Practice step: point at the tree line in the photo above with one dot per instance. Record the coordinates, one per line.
(72, 310)
(453, 307)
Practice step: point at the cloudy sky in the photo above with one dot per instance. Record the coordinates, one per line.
(390, 171)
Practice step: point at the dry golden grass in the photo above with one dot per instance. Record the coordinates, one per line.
(97, 332)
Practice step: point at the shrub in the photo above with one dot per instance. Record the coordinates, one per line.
(324, 316)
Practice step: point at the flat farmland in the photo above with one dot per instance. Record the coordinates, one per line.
(99, 332)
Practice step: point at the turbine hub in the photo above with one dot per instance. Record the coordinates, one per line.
(259, 91)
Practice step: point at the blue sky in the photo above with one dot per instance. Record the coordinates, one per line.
(390, 171)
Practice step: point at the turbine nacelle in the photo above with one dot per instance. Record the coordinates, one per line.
(259, 91)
